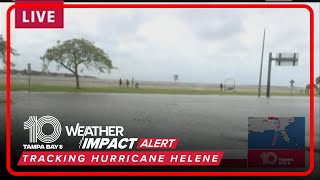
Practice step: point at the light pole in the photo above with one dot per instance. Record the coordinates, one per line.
(261, 63)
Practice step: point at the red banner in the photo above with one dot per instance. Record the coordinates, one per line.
(131, 158)
(39, 17)
(118, 158)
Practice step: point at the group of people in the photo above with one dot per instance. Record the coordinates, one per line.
(137, 85)
(128, 83)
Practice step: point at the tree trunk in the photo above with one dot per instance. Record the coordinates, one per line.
(77, 76)
(77, 81)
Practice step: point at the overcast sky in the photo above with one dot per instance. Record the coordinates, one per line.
(200, 45)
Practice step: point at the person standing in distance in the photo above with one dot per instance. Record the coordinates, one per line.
(132, 82)
(120, 82)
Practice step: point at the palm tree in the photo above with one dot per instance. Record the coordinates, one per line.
(291, 86)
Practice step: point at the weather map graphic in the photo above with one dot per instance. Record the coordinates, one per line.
(276, 132)
(276, 141)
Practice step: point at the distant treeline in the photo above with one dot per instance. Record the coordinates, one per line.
(41, 73)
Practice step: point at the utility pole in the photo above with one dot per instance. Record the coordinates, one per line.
(29, 75)
(259, 88)
(269, 75)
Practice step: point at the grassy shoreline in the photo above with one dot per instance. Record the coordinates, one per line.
(52, 88)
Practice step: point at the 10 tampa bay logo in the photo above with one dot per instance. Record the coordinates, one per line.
(37, 138)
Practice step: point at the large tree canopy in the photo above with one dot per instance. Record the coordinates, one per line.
(3, 51)
(318, 80)
(77, 55)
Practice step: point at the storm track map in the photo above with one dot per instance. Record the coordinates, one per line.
(276, 142)
(276, 132)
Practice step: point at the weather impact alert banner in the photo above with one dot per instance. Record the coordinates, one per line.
(104, 138)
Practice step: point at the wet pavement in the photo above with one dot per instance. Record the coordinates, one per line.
(202, 122)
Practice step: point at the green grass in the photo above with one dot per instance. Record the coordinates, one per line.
(52, 88)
